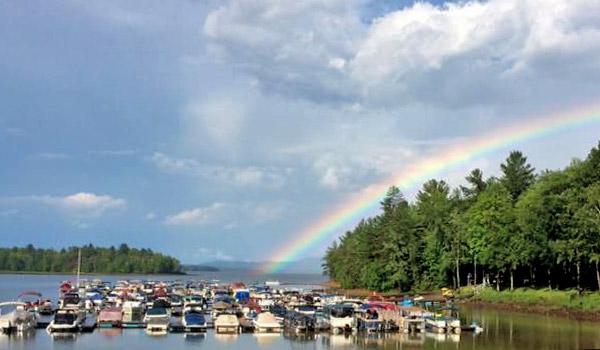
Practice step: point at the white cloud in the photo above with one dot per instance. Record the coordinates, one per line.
(51, 156)
(80, 208)
(196, 216)
(9, 212)
(227, 215)
(266, 211)
(12, 131)
(83, 204)
(220, 118)
(208, 255)
(116, 152)
(150, 216)
(458, 55)
(250, 176)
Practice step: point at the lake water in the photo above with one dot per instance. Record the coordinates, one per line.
(502, 330)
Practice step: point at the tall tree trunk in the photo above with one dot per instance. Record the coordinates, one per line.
(549, 280)
(458, 272)
(475, 271)
(597, 275)
(512, 280)
(578, 265)
(498, 281)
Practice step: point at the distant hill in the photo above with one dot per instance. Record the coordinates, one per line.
(197, 268)
(309, 265)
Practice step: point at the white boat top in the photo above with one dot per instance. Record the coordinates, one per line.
(227, 321)
(266, 320)
(20, 312)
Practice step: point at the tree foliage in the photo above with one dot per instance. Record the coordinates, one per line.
(522, 229)
(93, 260)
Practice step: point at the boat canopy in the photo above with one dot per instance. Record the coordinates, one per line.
(31, 293)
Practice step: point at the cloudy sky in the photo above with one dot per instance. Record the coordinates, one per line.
(220, 129)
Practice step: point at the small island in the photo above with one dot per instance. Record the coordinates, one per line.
(93, 260)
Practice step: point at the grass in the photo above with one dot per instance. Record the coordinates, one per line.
(570, 299)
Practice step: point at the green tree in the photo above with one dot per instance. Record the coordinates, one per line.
(517, 174)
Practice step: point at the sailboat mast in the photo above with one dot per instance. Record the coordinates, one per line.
(78, 267)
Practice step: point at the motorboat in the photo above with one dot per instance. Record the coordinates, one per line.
(193, 320)
(111, 317)
(176, 302)
(266, 322)
(241, 295)
(15, 317)
(227, 323)
(66, 320)
(71, 301)
(299, 322)
(339, 317)
(220, 307)
(39, 305)
(133, 307)
(157, 319)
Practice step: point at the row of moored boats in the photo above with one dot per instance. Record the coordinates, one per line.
(228, 308)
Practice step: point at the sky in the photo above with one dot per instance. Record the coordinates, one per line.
(219, 130)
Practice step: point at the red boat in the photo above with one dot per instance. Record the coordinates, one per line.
(41, 306)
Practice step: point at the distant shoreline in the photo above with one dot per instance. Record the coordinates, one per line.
(8, 272)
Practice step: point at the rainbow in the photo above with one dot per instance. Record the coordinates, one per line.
(414, 175)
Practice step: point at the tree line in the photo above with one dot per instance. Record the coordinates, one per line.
(93, 260)
(519, 229)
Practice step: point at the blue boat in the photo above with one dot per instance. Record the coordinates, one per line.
(193, 320)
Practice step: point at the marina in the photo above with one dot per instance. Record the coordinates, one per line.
(294, 314)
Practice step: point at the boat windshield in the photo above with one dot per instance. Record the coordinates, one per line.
(61, 318)
(341, 312)
(71, 299)
(157, 311)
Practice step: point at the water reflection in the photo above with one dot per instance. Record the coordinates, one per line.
(110, 332)
(300, 337)
(194, 337)
(266, 339)
(156, 333)
(63, 337)
(226, 338)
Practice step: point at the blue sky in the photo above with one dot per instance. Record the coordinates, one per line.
(219, 129)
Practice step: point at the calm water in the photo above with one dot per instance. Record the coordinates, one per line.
(503, 330)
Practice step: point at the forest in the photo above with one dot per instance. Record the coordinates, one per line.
(93, 260)
(521, 229)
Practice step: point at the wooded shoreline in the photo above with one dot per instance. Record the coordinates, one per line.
(520, 229)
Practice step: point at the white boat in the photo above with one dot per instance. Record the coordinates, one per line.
(266, 322)
(339, 317)
(157, 319)
(133, 307)
(227, 323)
(272, 283)
(435, 324)
(18, 319)
(66, 320)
